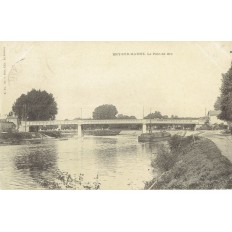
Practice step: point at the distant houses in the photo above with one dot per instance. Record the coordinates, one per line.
(9, 124)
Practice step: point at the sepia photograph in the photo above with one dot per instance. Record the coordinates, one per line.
(115, 115)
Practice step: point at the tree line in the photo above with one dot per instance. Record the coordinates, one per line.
(41, 105)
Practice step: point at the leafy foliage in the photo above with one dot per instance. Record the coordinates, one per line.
(157, 114)
(105, 112)
(217, 104)
(122, 116)
(174, 116)
(63, 180)
(164, 160)
(35, 105)
(226, 96)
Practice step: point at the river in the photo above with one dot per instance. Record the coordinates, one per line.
(118, 162)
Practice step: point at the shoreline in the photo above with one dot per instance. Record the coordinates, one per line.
(21, 138)
(195, 163)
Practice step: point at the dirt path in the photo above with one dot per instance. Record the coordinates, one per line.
(223, 142)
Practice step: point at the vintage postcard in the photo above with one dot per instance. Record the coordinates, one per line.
(115, 115)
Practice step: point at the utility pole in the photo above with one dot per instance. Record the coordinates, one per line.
(25, 115)
(81, 113)
(150, 130)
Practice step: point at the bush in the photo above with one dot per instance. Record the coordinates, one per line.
(178, 143)
(175, 142)
(165, 160)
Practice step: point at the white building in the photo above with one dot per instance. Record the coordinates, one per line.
(213, 117)
(13, 119)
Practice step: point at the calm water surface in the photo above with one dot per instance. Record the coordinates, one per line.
(120, 162)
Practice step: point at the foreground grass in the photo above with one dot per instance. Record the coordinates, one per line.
(191, 163)
(58, 180)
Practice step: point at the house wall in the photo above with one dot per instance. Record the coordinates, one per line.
(215, 120)
(7, 126)
(14, 120)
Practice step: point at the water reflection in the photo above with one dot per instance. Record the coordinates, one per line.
(119, 162)
(36, 158)
(152, 147)
(105, 153)
(38, 162)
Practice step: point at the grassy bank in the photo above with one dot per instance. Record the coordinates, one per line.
(31, 137)
(191, 163)
(19, 136)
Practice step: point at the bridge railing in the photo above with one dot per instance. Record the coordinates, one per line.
(111, 121)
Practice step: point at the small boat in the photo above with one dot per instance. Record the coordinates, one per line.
(154, 137)
(99, 132)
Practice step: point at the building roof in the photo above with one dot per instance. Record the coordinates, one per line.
(12, 117)
(214, 112)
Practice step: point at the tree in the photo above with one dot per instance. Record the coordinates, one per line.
(157, 114)
(105, 112)
(226, 97)
(11, 113)
(217, 104)
(122, 116)
(174, 116)
(35, 105)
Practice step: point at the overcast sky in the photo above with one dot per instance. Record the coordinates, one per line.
(87, 74)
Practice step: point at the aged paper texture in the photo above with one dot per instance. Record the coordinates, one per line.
(115, 115)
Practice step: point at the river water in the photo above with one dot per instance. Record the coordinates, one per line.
(118, 162)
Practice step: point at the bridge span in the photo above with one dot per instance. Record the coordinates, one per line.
(25, 125)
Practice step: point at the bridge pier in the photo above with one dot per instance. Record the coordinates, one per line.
(144, 129)
(80, 130)
(23, 127)
(59, 127)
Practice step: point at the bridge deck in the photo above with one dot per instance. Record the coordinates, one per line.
(113, 122)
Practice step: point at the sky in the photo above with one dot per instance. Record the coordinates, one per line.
(180, 78)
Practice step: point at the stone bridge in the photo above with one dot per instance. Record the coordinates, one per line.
(25, 125)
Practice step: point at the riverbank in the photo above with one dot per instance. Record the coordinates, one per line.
(191, 163)
(223, 142)
(19, 138)
(16, 138)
